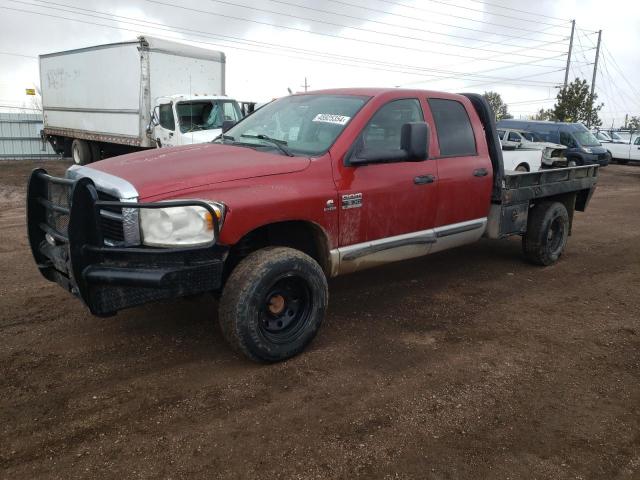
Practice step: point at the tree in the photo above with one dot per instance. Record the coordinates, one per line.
(544, 115)
(634, 123)
(500, 109)
(575, 103)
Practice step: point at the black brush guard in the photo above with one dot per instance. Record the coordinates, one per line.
(65, 235)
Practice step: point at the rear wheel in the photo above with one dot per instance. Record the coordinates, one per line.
(273, 304)
(81, 152)
(547, 233)
(523, 167)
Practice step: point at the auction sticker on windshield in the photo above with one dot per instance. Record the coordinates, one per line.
(330, 118)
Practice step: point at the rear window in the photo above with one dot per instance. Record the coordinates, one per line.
(455, 134)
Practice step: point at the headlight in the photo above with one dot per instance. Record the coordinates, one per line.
(179, 226)
(587, 150)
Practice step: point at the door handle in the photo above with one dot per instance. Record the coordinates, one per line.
(424, 179)
(480, 172)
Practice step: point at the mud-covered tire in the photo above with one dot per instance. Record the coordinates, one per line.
(80, 152)
(547, 233)
(273, 304)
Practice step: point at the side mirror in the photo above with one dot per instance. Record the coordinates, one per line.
(227, 124)
(414, 147)
(154, 120)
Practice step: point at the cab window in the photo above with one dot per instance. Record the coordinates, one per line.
(514, 137)
(166, 116)
(455, 134)
(501, 134)
(567, 140)
(383, 130)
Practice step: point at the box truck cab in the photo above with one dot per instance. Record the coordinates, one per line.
(583, 148)
(186, 119)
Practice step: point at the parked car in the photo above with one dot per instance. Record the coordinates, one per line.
(602, 136)
(123, 97)
(516, 160)
(582, 147)
(608, 136)
(545, 154)
(623, 152)
(308, 187)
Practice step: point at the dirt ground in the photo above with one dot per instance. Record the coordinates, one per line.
(466, 364)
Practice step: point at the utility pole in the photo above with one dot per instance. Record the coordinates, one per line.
(593, 80)
(306, 85)
(566, 72)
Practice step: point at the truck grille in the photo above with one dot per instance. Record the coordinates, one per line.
(111, 222)
(58, 215)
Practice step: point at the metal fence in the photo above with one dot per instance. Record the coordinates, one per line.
(20, 136)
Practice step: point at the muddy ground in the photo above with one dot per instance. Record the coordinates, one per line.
(467, 364)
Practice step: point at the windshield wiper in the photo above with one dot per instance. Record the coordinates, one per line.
(224, 137)
(280, 144)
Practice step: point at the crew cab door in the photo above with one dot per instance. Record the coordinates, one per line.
(382, 200)
(465, 174)
(164, 131)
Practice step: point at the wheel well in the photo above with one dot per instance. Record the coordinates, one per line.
(568, 200)
(525, 165)
(301, 235)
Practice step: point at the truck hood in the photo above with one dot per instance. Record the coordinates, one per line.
(200, 136)
(168, 170)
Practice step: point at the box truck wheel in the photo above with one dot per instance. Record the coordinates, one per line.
(273, 304)
(81, 152)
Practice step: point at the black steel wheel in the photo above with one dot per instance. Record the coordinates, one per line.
(547, 233)
(273, 304)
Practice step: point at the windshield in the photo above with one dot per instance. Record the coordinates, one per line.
(206, 115)
(305, 124)
(586, 139)
(603, 136)
(532, 137)
(620, 138)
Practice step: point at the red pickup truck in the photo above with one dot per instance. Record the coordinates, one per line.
(306, 188)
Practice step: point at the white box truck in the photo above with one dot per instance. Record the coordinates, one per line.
(121, 97)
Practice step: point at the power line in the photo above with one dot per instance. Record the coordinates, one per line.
(200, 41)
(18, 55)
(253, 8)
(469, 9)
(517, 10)
(260, 44)
(617, 67)
(282, 2)
(360, 40)
(519, 78)
(520, 29)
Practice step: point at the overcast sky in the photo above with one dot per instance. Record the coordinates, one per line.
(272, 45)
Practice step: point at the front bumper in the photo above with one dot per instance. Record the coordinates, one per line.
(601, 159)
(67, 243)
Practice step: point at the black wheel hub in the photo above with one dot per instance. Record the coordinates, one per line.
(555, 235)
(286, 308)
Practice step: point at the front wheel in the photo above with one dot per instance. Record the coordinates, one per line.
(547, 233)
(273, 304)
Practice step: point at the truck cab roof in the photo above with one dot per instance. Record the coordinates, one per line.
(180, 97)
